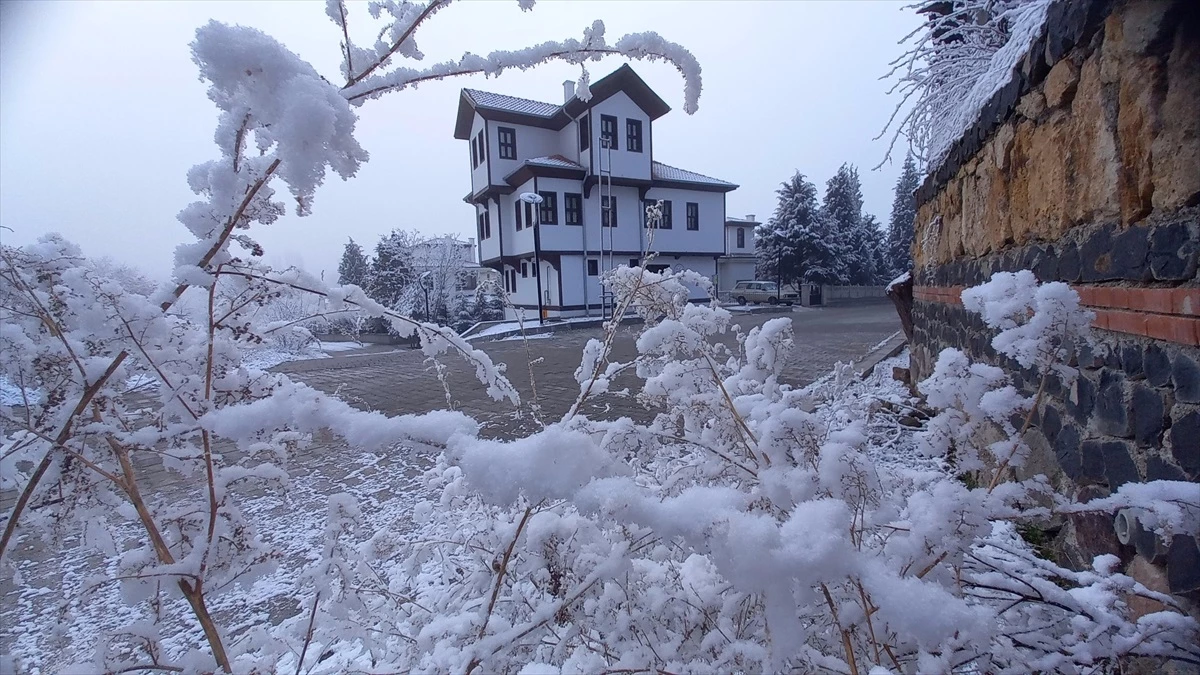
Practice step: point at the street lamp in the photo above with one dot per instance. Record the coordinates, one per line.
(425, 289)
(535, 199)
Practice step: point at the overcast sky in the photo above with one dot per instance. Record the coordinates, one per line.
(102, 114)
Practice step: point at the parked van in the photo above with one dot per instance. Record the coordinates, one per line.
(763, 291)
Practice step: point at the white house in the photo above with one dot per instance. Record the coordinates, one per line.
(740, 257)
(593, 165)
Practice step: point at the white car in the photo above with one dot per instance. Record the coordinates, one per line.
(763, 291)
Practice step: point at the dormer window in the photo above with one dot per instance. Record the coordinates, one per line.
(508, 142)
(608, 132)
(633, 135)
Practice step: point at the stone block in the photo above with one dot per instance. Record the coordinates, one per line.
(1091, 456)
(1067, 451)
(1131, 248)
(1149, 414)
(1185, 377)
(1096, 256)
(1131, 361)
(1111, 413)
(1138, 97)
(1032, 105)
(1069, 267)
(1153, 577)
(1146, 26)
(1185, 442)
(1119, 467)
(1158, 468)
(1176, 147)
(1051, 422)
(1081, 400)
(1060, 83)
(1157, 365)
(1183, 565)
(1173, 251)
(1094, 534)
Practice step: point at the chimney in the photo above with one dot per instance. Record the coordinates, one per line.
(750, 216)
(568, 90)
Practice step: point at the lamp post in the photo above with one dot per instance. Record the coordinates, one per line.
(536, 200)
(425, 289)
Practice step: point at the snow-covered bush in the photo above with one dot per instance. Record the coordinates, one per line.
(77, 337)
(751, 527)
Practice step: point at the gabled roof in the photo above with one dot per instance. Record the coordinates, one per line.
(660, 172)
(503, 108)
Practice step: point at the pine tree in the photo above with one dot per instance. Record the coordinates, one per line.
(795, 245)
(858, 238)
(354, 268)
(881, 266)
(904, 215)
(392, 269)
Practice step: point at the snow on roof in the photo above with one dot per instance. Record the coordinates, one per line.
(735, 219)
(487, 99)
(660, 171)
(557, 161)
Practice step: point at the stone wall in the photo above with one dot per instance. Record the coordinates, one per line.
(1089, 173)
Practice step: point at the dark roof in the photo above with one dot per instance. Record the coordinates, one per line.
(662, 173)
(553, 166)
(503, 108)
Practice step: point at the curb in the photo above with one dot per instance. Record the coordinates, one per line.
(891, 347)
(535, 329)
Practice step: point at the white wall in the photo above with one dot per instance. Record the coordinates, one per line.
(625, 164)
(531, 142)
(479, 179)
(732, 271)
(731, 247)
(708, 239)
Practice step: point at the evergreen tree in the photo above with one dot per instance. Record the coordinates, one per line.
(904, 215)
(843, 208)
(354, 268)
(392, 269)
(881, 266)
(796, 245)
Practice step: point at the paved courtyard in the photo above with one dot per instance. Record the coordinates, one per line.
(402, 382)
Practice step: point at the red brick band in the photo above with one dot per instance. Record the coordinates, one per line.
(1170, 314)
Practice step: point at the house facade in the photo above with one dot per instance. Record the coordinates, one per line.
(592, 164)
(741, 258)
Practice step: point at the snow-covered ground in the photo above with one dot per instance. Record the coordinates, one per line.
(535, 336)
(530, 323)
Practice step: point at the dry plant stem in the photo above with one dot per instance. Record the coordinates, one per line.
(845, 633)
(226, 232)
(194, 595)
(500, 574)
(1024, 427)
(395, 46)
(308, 636)
(868, 610)
(60, 440)
(206, 438)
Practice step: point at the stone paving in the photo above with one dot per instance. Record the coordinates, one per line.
(402, 382)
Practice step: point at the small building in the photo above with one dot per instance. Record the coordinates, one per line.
(593, 165)
(741, 257)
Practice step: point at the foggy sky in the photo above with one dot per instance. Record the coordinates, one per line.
(102, 113)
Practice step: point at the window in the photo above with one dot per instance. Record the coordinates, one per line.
(646, 206)
(524, 269)
(474, 154)
(633, 135)
(548, 209)
(533, 269)
(693, 216)
(593, 268)
(741, 237)
(633, 262)
(656, 269)
(517, 214)
(666, 215)
(608, 212)
(508, 142)
(585, 133)
(528, 214)
(608, 132)
(485, 226)
(574, 206)
(513, 282)
(482, 149)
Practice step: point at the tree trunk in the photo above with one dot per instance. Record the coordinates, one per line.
(902, 296)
